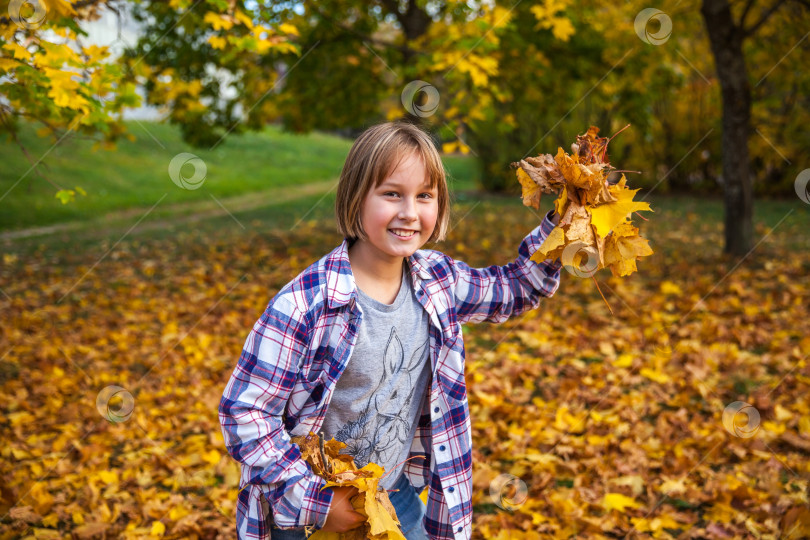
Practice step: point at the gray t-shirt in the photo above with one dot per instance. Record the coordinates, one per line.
(377, 401)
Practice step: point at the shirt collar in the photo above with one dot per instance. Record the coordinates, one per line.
(340, 285)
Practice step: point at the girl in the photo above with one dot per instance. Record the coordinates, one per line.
(366, 346)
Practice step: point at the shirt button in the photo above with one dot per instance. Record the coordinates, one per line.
(458, 530)
(435, 409)
(441, 448)
(451, 489)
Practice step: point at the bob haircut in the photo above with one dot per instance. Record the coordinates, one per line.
(373, 157)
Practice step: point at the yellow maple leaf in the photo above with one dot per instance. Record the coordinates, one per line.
(217, 42)
(63, 90)
(56, 56)
(606, 216)
(669, 288)
(554, 240)
(562, 28)
(382, 519)
(655, 375)
(212, 457)
(531, 191)
(244, 19)
(622, 247)
(617, 501)
(624, 361)
(217, 21)
(477, 75)
(158, 529)
(7, 64)
(95, 53)
(561, 201)
(654, 525)
(108, 477)
(59, 8)
(570, 169)
(548, 16)
(287, 28)
(17, 51)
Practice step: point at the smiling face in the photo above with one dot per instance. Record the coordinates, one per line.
(399, 215)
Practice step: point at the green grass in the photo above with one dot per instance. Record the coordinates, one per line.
(135, 175)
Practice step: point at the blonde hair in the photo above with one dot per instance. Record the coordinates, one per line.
(373, 157)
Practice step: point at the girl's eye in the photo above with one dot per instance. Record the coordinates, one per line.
(390, 193)
(426, 195)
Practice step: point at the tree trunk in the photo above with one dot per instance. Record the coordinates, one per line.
(726, 43)
(414, 21)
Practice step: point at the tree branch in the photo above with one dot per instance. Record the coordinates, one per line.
(748, 5)
(393, 7)
(35, 164)
(765, 16)
(404, 49)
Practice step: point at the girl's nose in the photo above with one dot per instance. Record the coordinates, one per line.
(407, 211)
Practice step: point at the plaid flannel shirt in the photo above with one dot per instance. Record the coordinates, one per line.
(297, 350)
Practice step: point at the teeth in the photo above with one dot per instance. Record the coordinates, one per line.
(403, 233)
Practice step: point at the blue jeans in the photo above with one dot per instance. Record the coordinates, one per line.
(410, 510)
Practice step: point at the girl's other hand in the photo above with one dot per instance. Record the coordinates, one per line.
(342, 517)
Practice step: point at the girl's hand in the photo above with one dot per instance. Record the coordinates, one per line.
(342, 517)
(555, 218)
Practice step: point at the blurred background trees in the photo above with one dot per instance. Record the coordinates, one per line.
(499, 81)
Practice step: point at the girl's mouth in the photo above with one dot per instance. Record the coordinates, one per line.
(402, 233)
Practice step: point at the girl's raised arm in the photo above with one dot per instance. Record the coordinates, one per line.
(496, 293)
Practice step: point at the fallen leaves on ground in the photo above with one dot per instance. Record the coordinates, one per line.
(579, 405)
(595, 229)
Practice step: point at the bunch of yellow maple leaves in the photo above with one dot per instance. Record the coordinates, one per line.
(340, 470)
(595, 229)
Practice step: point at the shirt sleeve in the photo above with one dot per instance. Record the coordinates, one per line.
(497, 293)
(250, 413)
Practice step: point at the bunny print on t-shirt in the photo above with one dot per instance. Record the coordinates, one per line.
(380, 432)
